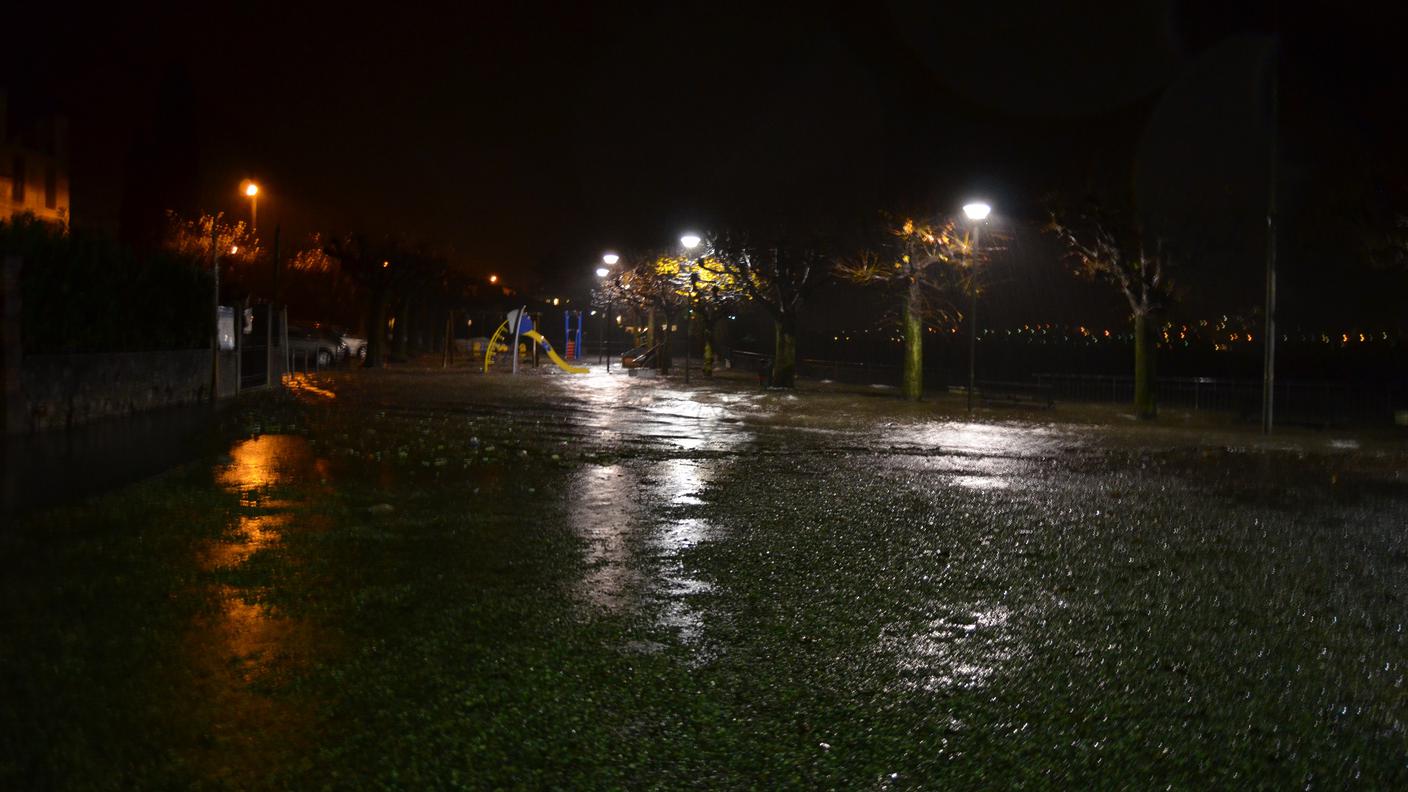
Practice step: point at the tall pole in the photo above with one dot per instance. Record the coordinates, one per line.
(254, 213)
(269, 318)
(605, 330)
(214, 315)
(1268, 363)
(688, 328)
(973, 317)
(517, 325)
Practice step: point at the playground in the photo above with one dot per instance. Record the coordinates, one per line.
(518, 327)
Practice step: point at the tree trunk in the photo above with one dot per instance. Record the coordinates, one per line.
(1145, 407)
(913, 384)
(376, 332)
(707, 333)
(784, 355)
(662, 357)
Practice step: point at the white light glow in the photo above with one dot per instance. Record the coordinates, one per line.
(610, 258)
(977, 210)
(602, 272)
(690, 241)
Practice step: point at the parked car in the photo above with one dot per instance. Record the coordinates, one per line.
(312, 343)
(356, 345)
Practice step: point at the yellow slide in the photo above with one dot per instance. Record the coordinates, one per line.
(562, 364)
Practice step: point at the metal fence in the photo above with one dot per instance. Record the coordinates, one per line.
(1318, 403)
(836, 370)
(1296, 402)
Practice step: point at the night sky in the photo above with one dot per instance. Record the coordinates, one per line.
(525, 138)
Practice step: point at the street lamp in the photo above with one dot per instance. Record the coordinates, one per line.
(602, 272)
(690, 242)
(251, 191)
(977, 212)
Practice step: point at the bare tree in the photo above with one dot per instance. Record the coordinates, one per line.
(1112, 250)
(778, 274)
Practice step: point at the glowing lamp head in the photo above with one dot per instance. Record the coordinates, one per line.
(251, 189)
(977, 210)
(690, 241)
(602, 272)
(610, 259)
(493, 278)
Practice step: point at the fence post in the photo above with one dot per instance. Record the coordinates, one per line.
(214, 317)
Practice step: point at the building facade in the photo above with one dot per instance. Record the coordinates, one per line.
(34, 169)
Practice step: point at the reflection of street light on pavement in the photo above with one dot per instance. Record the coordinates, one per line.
(977, 212)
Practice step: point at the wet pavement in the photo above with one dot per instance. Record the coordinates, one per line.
(418, 578)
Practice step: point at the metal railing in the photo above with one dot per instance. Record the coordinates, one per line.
(1295, 401)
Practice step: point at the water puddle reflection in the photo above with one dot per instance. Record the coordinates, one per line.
(244, 647)
(637, 518)
(961, 650)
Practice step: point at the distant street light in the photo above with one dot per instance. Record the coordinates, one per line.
(251, 190)
(493, 278)
(602, 272)
(977, 212)
(690, 242)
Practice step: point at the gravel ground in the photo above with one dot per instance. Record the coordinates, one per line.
(426, 579)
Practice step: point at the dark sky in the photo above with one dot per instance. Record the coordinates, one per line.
(528, 137)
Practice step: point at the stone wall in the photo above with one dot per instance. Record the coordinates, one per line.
(59, 391)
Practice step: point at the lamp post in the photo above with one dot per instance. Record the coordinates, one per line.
(251, 191)
(690, 242)
(976, 212)
(609, 260)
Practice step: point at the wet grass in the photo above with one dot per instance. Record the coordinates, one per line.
(446, 580)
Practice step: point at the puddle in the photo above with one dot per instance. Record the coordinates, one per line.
(637, 518)
(961, 650)
(244, 647)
